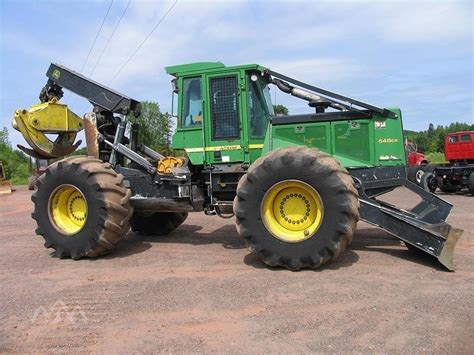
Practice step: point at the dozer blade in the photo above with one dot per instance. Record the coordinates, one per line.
(48, 118)
(424, 226)
(437, 240)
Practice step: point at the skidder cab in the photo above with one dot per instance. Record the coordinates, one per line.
(297, 184)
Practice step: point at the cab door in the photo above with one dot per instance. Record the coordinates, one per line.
(224, 138)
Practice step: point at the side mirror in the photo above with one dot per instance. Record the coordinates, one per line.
(174, 86)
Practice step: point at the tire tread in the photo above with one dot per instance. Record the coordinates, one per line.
(338, 178)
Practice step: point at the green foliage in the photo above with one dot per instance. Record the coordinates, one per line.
(280, 110)
(14, 161)
(432, 140)
(155, 127)
(4, 138)
(436, 158)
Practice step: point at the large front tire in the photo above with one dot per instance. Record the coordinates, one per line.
(158, 223)
(81, 207)
(297, 208)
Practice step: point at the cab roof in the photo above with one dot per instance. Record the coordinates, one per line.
(460, 132)
(208, 67)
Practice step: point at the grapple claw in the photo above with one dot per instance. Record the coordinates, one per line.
(32, 153)
(48, 118)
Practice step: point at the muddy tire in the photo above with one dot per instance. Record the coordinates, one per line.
(31, 182)
(81, 207)
(158, 223)
(287, 179)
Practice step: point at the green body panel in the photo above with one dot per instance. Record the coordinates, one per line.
(364, 142)
(388, 141)
(356, 143)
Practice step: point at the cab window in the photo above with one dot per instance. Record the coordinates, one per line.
(465, 138)
(192, 103)
(453, 139)
(258, 110)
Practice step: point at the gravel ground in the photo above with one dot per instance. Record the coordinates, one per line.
(199, 290)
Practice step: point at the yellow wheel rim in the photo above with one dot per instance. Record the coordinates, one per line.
(67, 209)
(292, 211)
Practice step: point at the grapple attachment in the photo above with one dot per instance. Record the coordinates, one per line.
(48, 118)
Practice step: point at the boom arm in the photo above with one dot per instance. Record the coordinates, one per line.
(100, 96)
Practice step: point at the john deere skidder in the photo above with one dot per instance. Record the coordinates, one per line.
(296, 184)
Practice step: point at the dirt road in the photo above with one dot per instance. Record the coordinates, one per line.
(199, 290)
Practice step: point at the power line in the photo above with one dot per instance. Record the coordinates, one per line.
(97, 35)
(110, 38)
(143, 42)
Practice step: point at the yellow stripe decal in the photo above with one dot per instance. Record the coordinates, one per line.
(212, 149)
(222, 148)
(194, 150)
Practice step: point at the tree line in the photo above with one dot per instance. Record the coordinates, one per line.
(155, 127)
(14, 161)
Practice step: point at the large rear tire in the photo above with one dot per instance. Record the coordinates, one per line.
(297, 208)
(81, 207)
(158, 223)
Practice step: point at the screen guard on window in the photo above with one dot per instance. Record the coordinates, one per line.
(224, 108)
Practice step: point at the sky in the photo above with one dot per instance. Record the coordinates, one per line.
(416, 55)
